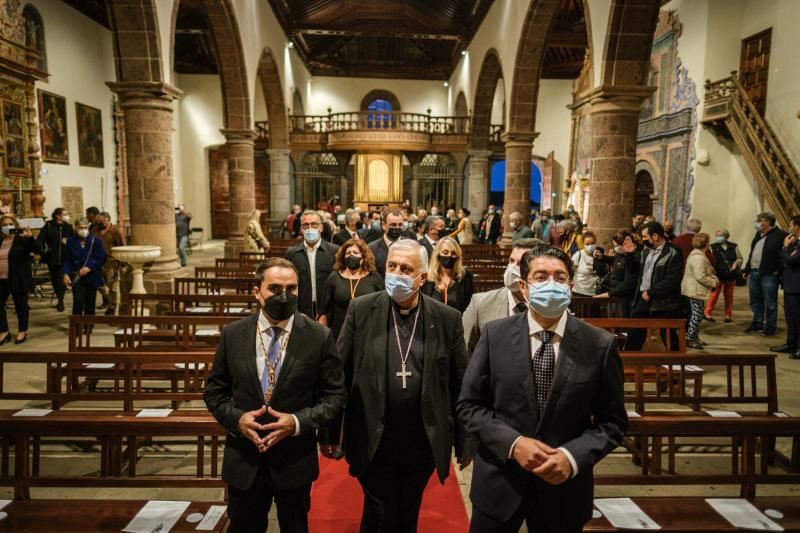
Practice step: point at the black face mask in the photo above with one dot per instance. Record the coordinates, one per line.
(394, 233)
(280, 306)
(649, 244)
(447, 261)
(352, 262)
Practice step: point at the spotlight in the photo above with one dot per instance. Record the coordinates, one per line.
(289, 44)
(446, 84)
(463, 52)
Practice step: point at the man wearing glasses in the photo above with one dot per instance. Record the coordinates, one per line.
(313, 259)
(392, 232)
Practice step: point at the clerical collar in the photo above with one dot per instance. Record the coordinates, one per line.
(407, 312)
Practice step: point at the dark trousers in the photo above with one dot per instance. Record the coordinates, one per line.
(637, 337)
(393, 490)
(20, 306)
(84, 297)
(57, 280)
(527, 512)
(791, 307)
(763, 290)
(248, 510)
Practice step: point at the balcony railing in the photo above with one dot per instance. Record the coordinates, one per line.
(496, 133)
(379, 120)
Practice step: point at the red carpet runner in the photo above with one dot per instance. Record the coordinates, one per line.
(336, 503)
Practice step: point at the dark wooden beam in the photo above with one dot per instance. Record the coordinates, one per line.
(378, 33)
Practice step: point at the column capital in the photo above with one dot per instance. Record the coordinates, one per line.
(145, 93)
(239, 136)
(617, 98)
(519, 138)
(278, 152)
(479, 154)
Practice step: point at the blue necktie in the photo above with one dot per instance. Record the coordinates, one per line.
(272, 361)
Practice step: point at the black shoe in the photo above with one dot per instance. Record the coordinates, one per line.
(768, 334)
(6, 339)
(20, 341)
(110, 311)
(795, 354)
(728, 320)
(710, 318)
(694, 345)
(752, 329)
(785, 348)
(60, 306)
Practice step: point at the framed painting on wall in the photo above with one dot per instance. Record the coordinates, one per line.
(53, 128)
(90, 136)
(14, 133)
(72, 199)
(12, 119)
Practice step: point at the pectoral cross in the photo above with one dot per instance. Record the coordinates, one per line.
(403, 374)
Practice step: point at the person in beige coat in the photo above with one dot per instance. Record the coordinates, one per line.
(698, 283)
(254, 239)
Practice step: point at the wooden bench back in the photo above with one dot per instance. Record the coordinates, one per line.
(238, 305)
(235, 271)
(654, 327)
(211, 285)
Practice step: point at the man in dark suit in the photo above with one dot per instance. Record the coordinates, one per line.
(313, 259)
(763, 274)
(392, 231)
(434, 230)
(404, 357)
(543, 393)
(492, 229)
(276, 379)
(372, 231)
(350, 230)
(790, 255)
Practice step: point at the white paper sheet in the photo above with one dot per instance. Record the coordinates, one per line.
(153, 413)
(689, 368)
(624, 513)
(191, 366)
(207, 332)
(33, 412)
(780, 414)
(3, 503)
(742, 514)
(156, 516)
(634, 414)
(211, 518)
(237, 310)
(99, 365)
(724, 414)
(200, 310)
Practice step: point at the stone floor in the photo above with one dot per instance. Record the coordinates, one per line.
(48, 331)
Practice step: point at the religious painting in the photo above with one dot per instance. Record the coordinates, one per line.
(90, 136)
(53, 126)
(15, 155)
(12, 119)
(72, 199)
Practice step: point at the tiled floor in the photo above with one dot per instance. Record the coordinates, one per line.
(48, 331)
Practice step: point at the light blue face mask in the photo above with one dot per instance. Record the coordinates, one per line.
(549, 298)
(400, 288)
(311, 235)
(720, 239)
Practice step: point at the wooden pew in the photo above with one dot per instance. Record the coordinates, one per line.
(224, 272)
(654, 327)
(584, 307)
(238, 305)
(212, 285)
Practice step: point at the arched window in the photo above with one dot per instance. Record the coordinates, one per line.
(380, 107)
(34, 35)
(642, 200)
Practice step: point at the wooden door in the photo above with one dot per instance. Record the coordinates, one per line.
(642, 200)
(754, 67)
(220, 198)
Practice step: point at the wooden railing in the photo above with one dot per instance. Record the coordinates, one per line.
(729, 110)
(379, 120)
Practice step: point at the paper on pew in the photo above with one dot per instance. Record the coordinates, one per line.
(742, 514)
(130, 331)
(724, 414)
(153, 413)
(211, 518)
(780, 414)
(98, 365)
(200, 310)
(623, 513)
(156, 515)
(33, 412)
(3, 503)
(689, 368)
(206, 332)
(237, 310)
(634, 414)
(191, 366)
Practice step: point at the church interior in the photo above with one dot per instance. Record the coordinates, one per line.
(675, 110)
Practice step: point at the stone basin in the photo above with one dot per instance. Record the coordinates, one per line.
(136, 257)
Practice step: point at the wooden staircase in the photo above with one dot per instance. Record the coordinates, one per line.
(730, 113)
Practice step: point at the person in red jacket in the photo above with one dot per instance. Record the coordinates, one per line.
(683, 242)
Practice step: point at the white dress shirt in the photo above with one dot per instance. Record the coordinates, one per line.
(558, 330)
(311, 252)
(264, 332)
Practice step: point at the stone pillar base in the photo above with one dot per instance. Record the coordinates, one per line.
(234, 246)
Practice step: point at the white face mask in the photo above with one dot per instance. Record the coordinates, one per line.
(617, 249)
(511, 277)
(83, 233)
(65, 218)
(590, 248)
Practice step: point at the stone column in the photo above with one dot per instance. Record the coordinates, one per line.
(147, 107)
(241, 186)
(519, 146)
(280, 174)
(615, 124)
(478, 183)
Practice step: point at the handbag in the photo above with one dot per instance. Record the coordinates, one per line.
(75, 276)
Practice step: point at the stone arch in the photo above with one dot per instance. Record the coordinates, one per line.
(270, 78)
(626, 58)
(491, 72)
(382, 94)
(137, 44)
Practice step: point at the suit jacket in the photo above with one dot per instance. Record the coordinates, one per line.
(370, 234)
(325, 258)
(493, 231)
(341, 237)
(310, 386)
(362, 346)
(483, 308)
(771, 256)
(381, 253)
(791, 268)
(92, 255)
(665, 283)
(427, 245)
(585, 413)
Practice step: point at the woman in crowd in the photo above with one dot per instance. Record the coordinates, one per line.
(587, 270)
(450, 221)
(448, 282)
(463, 231)
(254, 239)
(353, 275)
(623, 269)
(83, 264)
(698, 282)
(569, 239)
(728, 265)
(16, 276)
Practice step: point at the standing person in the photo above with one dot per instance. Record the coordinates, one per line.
(254, 238)
(493, 223)
(463, 231)
(698, 282)
(683, 242)
(434, 230)
(623, 270)
(517, 225)
(182, 230)
(541, 430)
(448, 281)
(349, 231)
(393, 223)
(450, 222)
(404, 358)
(91, 212)
(541, 227)
(293, 222)
(790, 256)
(499, 303)
(727, 264)
(52, 241)
(569, 240)
(275, 380)
(83, 268)
(111, 237)
(763, 271)
(658, 285)
(353, 275)
(313, 259)
(372, 231)
(16, 276)
(586, 275)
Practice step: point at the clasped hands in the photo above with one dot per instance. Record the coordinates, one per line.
(280, 429)
(548, 463)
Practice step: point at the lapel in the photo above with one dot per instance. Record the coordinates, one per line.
(500, 304)
(377, 331)
(431, 346)
(250, 332)
(521, 351)
(295, 340)
(567, 353)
